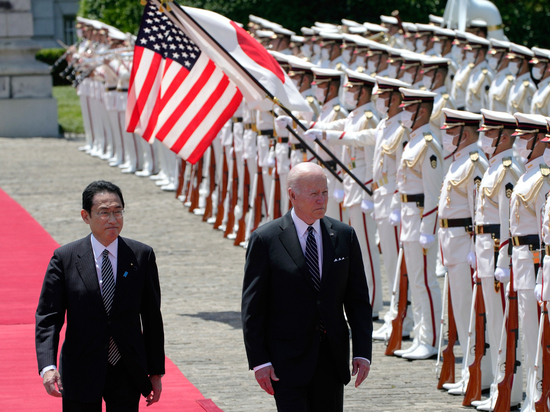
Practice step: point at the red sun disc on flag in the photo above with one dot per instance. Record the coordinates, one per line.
(256, 52)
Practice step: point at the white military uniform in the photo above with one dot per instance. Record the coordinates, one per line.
(457, 202)
(492, 228)
(420, 175)
(497, 97)
(521, 94)
(479, 83)
(540, 104)
(358, 159)
(527, 203)
(460, 83)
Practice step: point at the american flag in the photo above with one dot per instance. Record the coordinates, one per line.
(176, 93)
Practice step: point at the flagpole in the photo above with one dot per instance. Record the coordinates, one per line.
(274, 99)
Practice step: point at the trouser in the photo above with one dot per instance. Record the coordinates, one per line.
(389, 244)
(120, 394)
(425, 292)
(325, 392)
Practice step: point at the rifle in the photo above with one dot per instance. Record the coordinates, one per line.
(473, 390)
(211, 185)
(181, 180)
(396, 337)
(240, 237)
(276, 194)
(396, 14)
(195, 196)
(234, 197)
(511, 365)
(223, 192)
(447, 374)
(544, 340)
(189, 184)
(259, 199)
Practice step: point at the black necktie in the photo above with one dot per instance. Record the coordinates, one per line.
(312, 258)
(108, 292)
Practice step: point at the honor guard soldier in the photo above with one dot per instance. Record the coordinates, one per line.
(419, 180)
(424, 43)
(282, 41)
(411, 69)
(456, 217)
(388, 139)
(343, 136)
(410, 39)
(462, 75)
(497, 97)
(376, 32)
(327, 84)
(443, 46)
(302, 75)
(377, 60)
(521, 93)
(307, 44)
(541, 73)
(542, 289)
(492, 222)
(395, 62)
(331, 51)
(435, 70)
(481, 76)
(526, 206)
(395, 33)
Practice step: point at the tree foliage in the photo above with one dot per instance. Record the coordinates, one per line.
(524, 19)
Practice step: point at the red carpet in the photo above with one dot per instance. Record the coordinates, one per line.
(26, 249)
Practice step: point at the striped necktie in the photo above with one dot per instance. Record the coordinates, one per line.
(312, 258)
(108, 292)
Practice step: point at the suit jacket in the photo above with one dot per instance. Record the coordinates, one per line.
(71, 287)
(281, 310)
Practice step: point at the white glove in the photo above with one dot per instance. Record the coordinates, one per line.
(472, 259)
(283, 121)
(313, 134)
(367, 206)
(538, 292)
(395, 217)
(338, 194)
(426, 240)
(502, 274)
(474, 276)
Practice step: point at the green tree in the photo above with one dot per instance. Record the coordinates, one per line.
(524, 20)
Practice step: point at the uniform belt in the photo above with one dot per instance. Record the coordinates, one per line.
(110, 88)
(282, 139)
(486, 229)
(268, 132)
(532, 240)
(384, 181)
(465, 223)
(298, 146)
(237, 119)
(418, 199)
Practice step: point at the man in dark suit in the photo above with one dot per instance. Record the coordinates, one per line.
(302, 271)
(108, 287)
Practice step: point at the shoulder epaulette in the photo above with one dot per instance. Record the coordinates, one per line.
(544, 170)
(428, 137)
(336, 107)
(368, 114)
(445, 96)
(526, 83)
(510, 78)
(310, 99)
(474, 156)
(485, 71)
(507, 161)
(360, 69)
(471, 65)
(338, 66)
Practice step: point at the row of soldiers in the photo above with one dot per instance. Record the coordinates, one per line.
(433, 142)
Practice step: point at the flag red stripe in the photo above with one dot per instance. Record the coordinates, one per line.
(216, 127)
(173, 87)
(186, 102)
(201, 114)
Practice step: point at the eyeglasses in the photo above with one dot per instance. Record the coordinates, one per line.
(104, 214)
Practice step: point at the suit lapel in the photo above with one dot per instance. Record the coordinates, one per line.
(85, 265)
(290, 241)
(330, 240)
(126, 266)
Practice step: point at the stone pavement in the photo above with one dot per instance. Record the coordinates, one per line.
(201, 279)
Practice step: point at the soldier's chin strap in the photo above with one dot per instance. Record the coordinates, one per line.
(415, 118)
(459, 139)
(532, 146)
(498, 138)
(433, 79)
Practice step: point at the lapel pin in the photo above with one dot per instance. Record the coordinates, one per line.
(125, 274)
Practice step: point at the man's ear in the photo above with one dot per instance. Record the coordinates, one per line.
(85, 216)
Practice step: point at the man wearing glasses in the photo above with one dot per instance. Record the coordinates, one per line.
(108, 288)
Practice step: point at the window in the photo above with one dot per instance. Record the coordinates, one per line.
(69, 29)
